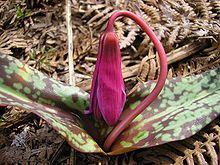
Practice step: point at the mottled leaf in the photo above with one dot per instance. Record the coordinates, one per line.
(59, 104)
(184, 107)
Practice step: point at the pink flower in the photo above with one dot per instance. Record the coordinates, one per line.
(127, 119)
(108, 96)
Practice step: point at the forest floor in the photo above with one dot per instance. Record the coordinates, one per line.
(35, 32)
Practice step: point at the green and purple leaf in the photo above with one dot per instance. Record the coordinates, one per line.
(184, 106)
(57, 103)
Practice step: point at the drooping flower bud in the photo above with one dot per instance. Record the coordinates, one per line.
(120, 127)
(108, 96)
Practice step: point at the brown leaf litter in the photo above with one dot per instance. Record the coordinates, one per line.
(35, 32)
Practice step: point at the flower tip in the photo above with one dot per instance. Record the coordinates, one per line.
(111, 39)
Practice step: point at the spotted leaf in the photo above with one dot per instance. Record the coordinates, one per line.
(59, 104)
(184, 107)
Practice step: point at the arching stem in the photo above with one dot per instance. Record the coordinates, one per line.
(119, 128)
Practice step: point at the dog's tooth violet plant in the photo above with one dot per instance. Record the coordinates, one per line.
(107, 93)
(170, 112)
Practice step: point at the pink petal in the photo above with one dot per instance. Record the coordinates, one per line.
(110, 92)
(93, 107)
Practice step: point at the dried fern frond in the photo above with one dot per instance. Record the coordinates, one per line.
(131, 31)
(129, 39)
(170, 13)
(119, 29)
(172, 38)
(216, 8)
(209, 60)
(202, 8)
(185, 8)
(99, 15)
(149, 66)
(152, 12)
(12, 39)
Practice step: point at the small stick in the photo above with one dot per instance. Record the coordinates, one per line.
(70, 43)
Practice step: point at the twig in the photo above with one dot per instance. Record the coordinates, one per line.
(70, 43)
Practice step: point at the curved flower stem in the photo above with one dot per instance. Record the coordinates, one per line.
(119, 128)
